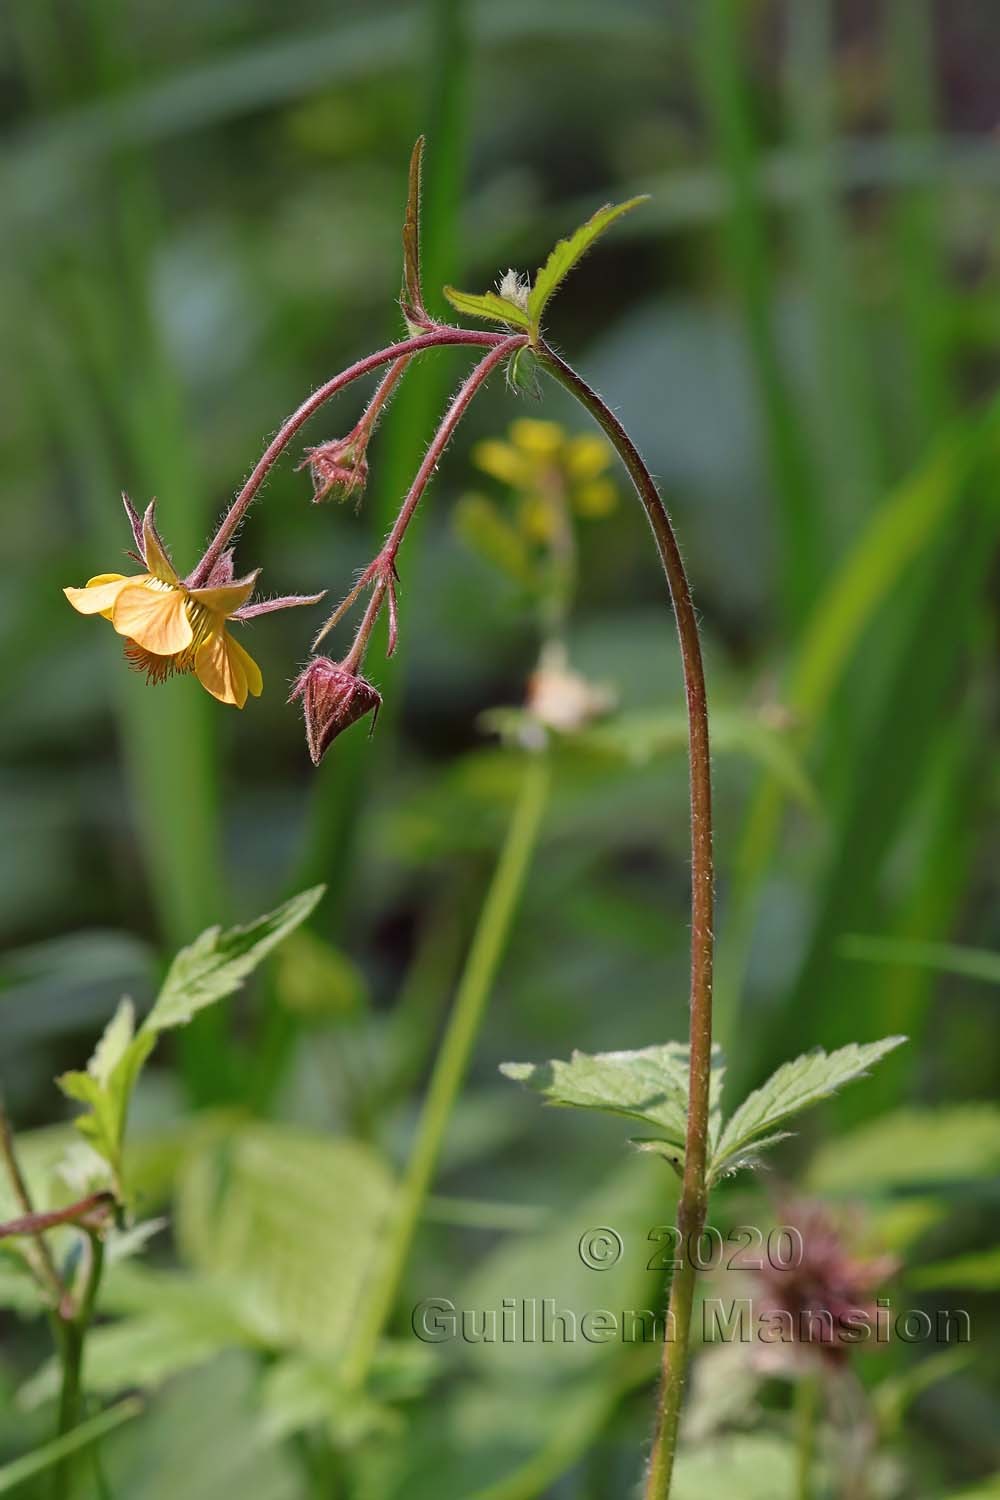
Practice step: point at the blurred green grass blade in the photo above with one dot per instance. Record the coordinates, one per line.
(944, 958)
(909, 522)
(284, 68)
(945, 841)
(916, 220)
(15, 1474)
(721, 39)
(928, 658)
(845, 409)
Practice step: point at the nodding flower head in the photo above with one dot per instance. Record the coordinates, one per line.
(333, 698)
(339, 468)
(171, 627)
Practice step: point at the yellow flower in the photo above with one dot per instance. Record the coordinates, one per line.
(169, 627)
(542, 454)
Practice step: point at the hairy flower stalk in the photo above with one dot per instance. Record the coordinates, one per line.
(382, 570)
(230, 522)
(339, 468)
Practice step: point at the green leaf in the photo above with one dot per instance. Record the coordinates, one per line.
(523, 374)
(14, 1474)
(217, 962)
(485, 530)
(753, 1466)
(949, 958)
(489, 305)
(650, 1085)
(268, 1210)
(911, 1148)
(979, 1271)
(566, 254)
(794, 1087)
(175, 1322)
(106, 1087)
(317, 981)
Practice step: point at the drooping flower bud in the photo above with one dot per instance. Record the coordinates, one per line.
(333, 698)
(339, 468)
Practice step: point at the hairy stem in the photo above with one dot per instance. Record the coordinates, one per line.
(386, 561)
(45, 1266)
(74, 1338)
(452, 1059)
(692, 1204)
(403, 350)
(807, 1402)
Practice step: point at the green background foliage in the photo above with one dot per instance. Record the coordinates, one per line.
(202, 210)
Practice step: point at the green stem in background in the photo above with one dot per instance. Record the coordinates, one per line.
(693, 1199)
(452, 1060)
(722, 57)
(75, 1330)
(807, 1410)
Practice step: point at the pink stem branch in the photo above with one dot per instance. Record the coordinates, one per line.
(384, 565)
(230, 522)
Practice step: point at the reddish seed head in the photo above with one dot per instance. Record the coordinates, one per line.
(333, 698)
(339, 468)
(824, 1287)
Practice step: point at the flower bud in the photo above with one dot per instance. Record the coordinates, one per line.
(333, 698)
(339, 468)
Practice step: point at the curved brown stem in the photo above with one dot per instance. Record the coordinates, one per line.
(692, 1205)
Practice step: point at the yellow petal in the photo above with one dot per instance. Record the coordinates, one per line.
(540, 439)
(99, 595)
(596, 499)
(587, 456)
(227, 598)
(501, 461)
(155, 618)
(227, 671)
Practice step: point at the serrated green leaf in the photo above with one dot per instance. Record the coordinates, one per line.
(794, 1087)
(116, 1037)
(217, 962)
(567, 252)
(106, 1087)
(650, 1084)
(488, 305)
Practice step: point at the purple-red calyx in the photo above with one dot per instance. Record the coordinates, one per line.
(333, 698)
(338, 468)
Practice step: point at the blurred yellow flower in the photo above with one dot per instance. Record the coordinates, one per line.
(539, 457)
(170, 628)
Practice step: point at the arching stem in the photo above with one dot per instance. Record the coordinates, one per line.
(407, 347)
(692, 1204)
(384, 566)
